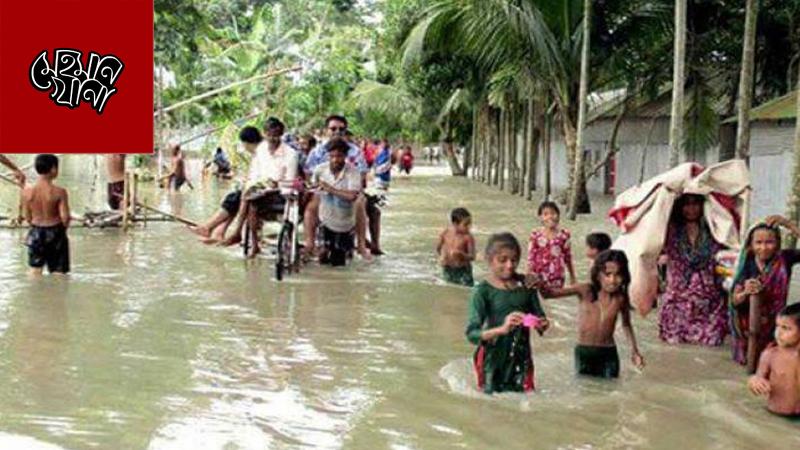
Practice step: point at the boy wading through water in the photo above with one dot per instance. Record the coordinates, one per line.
(46, 208)
(456, 249)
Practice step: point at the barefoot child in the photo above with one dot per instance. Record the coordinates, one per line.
(601, 301)
(549, 249)
(765, 270)
(177, 174)
(456, 249)
(499, 309)
(778, 374)
(46, 208)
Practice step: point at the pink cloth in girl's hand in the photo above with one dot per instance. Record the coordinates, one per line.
(530, 321)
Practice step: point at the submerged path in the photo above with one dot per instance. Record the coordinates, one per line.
(156, 341)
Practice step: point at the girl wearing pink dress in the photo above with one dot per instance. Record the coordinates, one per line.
(549, 252)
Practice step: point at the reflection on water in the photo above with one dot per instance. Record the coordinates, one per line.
(158, 342)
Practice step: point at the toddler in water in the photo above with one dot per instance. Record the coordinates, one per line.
(596, 243)
(764, 270)
(549, 251)
(778, 374)
(456, 248)
(601, 301)
(501, 313)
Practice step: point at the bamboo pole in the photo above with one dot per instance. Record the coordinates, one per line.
(218, 128)
(125, 201)
(177, 218)
(230, 86)
(755, 328)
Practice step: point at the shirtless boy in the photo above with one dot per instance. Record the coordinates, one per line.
(46, 208)
(456, 248)
(601, 301)
(115, 166)
(778, 374)
(177, 175)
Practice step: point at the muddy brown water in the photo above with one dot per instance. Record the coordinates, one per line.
(158, 342)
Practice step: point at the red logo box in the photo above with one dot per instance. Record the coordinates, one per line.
(32, 120)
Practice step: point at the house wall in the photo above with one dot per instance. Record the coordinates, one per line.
(631, 140)
(771, 162)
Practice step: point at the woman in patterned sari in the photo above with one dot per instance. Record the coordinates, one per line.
(693, 306)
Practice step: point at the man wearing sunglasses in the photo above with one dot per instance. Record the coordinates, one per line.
(336, 126)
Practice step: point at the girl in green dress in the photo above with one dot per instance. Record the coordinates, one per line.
(500, 318)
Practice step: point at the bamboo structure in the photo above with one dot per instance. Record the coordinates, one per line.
(753, 332)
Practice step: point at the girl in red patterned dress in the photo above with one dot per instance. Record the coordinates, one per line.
(549, 251)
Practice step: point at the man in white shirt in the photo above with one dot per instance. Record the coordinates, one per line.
(272, 171)
(339, 189)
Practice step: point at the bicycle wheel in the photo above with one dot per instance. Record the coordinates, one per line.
(285, 244)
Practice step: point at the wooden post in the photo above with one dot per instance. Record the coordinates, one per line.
(752, 338)
(126, 204)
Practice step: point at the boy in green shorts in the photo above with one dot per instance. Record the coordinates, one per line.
(456, 249)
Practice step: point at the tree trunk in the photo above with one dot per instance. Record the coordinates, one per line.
(501, 166)
(794, 199)
(496, 146)
(447, 147)
(512, 151)
(159, 125)
(546, 138)
(644, 149)
(525, 150)
(537, 129)
(746, 81)
(611, 147)
(579, 178)
(678, 81)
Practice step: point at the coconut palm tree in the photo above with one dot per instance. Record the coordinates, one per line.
(746, 80)
(678, 82)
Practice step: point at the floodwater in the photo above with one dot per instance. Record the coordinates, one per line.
(158, 342)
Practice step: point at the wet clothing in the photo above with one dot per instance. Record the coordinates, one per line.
(335, 212)
(506, 363)
(278, 166)
(459, 275)
(693, 307)
(222, 163)
(338, 246)
(597, 361)
(549, 258)
(406, 162)
(383, 168)
(48, 246)
(232, 201)
(176, 182)
(115, 192)
(775, 289)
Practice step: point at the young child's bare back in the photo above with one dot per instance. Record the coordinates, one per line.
(45, 204)
(46, 208)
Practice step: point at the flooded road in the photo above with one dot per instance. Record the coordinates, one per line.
(158, 342)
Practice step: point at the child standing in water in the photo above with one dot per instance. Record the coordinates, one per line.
(500, 318)
(764, 270)
(601, 301)
(778, 374)
(596, 243)
(456, 248)
(46, 208)
(549, 251)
